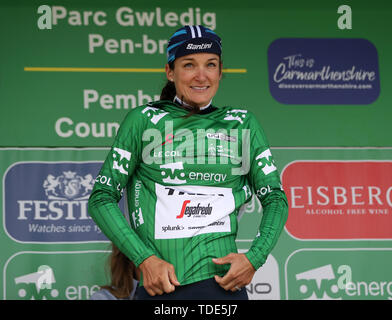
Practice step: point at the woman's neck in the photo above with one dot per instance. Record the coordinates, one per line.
(179, 101)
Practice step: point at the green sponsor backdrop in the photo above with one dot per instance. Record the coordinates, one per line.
(84, 104)
(276, 281)
(55, 77)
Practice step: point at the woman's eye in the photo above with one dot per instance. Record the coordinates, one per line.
(212, 64)
(188, 65)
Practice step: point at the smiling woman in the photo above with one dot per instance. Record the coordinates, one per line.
(184, 224)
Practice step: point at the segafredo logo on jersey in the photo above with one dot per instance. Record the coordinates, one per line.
(198, 210)
(52, 206)
(355, 197)
(339, 274)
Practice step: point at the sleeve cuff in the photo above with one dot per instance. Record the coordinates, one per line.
(141, 258)
(256, 258)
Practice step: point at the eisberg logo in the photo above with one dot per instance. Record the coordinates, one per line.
(340, 194)
(323, 71)
(202, 46)
(52, 207)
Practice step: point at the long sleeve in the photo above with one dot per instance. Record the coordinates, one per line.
(113, 177)
(265, 181)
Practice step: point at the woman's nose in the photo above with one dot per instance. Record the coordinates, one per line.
(201, 74)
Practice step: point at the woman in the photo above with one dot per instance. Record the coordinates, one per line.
(186, 181)
(123, 278)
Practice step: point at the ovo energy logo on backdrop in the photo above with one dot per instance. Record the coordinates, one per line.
(42, 279)
(72, 275)
(52, 206)
(339, 274)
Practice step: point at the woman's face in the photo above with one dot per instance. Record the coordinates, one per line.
(196, 77)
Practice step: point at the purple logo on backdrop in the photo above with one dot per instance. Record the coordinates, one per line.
(323, 71)
(47, 202)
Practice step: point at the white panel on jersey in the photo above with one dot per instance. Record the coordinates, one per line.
(187, 211)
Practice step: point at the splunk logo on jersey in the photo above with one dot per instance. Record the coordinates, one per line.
(52, 206)
(194, 210)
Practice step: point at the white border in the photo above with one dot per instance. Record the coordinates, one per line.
(42, 252)
(37, 242)
(322, 240)
(322, 249)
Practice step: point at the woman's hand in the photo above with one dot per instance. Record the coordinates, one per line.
(158, 276)
(240, 274)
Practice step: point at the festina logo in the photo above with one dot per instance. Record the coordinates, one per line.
(198, 211)
(67, 194)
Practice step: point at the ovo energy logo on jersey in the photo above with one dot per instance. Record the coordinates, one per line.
(266, 162)
(172, 178)
(121, 160)
(236, 114)
(154, 114)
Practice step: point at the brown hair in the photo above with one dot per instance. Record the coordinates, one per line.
(122, 273)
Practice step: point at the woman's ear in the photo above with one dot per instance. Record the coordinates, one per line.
(169, 73)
